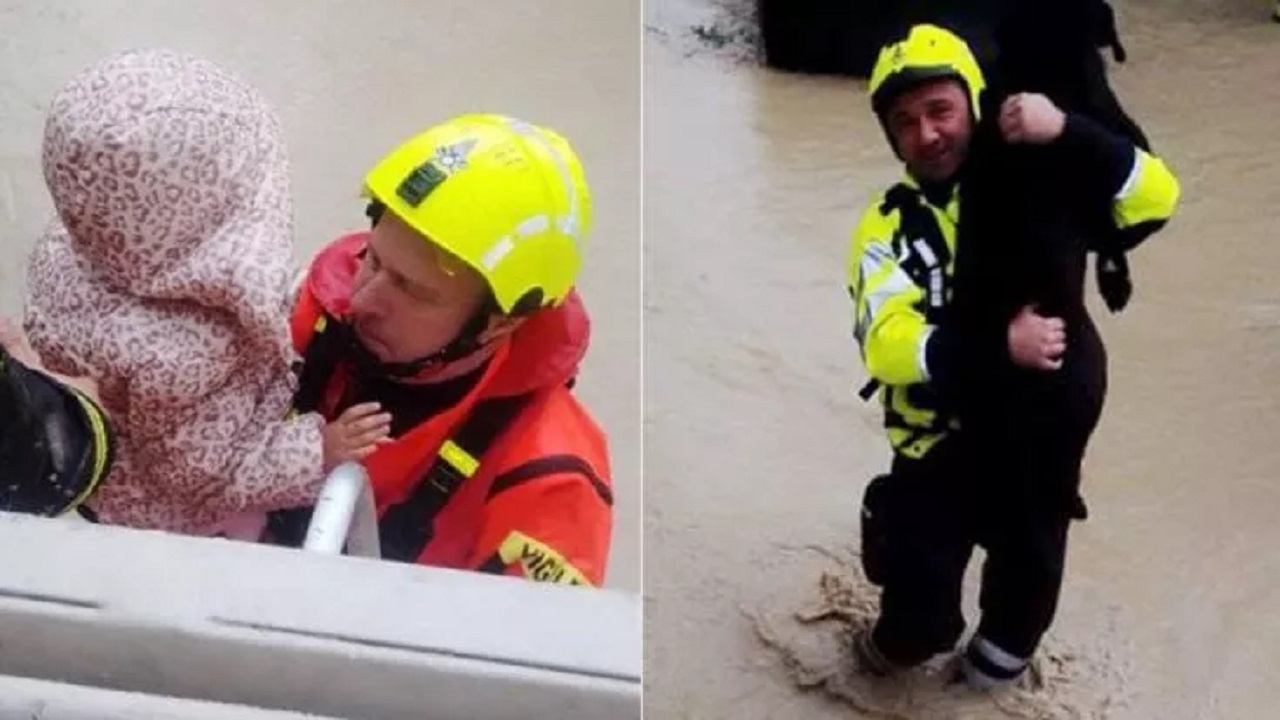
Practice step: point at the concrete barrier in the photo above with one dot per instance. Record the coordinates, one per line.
(283, 629)
(43, 700)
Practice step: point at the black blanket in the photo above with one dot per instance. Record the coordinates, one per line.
(1030, 215)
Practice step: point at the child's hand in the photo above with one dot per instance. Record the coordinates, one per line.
(355, 434)
(1031, 118)
(1037, 342)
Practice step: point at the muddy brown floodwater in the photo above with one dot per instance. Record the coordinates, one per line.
(757, 449)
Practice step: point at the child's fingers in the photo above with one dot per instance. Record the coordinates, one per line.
(369, 423)
(370, 438)
(355, 412)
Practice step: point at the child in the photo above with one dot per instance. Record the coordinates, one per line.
(1033, 213)
(164, 279)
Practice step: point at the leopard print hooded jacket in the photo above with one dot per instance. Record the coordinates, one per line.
(165, 277)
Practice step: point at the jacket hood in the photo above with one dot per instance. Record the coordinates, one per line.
(170, 178)
(545, 351)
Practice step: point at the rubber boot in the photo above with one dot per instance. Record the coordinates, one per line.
(55, 445)
(986, 667)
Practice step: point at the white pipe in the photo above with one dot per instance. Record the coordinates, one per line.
(345, 515)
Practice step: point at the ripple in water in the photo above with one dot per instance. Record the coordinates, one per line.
(1069, 679)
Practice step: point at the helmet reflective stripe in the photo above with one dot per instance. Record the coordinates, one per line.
(532, 226)
(506, 197)
(569, 225)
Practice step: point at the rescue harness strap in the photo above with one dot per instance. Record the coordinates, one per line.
(406, 528)
(923, 254)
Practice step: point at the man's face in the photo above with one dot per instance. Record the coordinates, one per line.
(931, 125)
(411, 298)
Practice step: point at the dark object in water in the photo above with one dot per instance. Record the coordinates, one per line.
(822, 36)
(843, 37)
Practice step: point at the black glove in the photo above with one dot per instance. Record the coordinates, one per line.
(1114, 282)
(1106, 35)
(50, 457)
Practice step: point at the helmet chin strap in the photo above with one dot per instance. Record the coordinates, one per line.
(466, 344)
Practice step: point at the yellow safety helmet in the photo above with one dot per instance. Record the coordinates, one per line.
(508, 198)
(928, 52)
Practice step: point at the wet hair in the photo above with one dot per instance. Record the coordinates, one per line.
(374, 211)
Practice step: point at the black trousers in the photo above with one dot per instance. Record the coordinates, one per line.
(920, 526)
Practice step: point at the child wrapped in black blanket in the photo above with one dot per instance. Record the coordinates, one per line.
(1031, 215)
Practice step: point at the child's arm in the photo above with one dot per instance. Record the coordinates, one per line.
(211, 461)
(281, 471)
(276, 467)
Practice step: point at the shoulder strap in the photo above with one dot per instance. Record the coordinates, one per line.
(318, 364)
(928, 254)
(922, 245)
(405, 529)
(319, 361)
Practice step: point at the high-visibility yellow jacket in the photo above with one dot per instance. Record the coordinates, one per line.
(900, 280)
